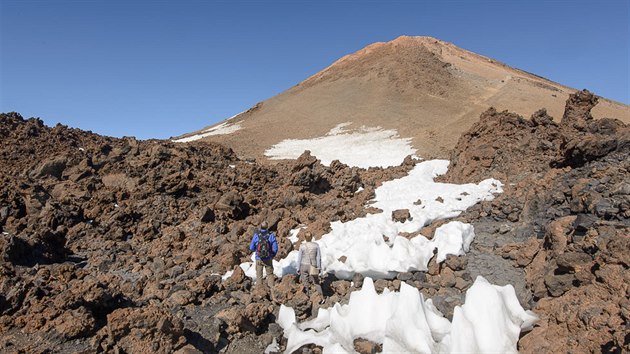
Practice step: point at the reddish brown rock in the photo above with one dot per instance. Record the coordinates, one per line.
(364, 346)
(577, 112)
(146, 329)
(181, 297)
(235, 320)
(257, 313)
(558, 233)
(401, 215)
(75, 323)
(522, 253)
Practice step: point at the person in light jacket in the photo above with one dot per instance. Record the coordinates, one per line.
(310, 265)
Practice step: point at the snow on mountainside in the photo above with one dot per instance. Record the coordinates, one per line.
(223, 128)
(365, 147)
(421, 89)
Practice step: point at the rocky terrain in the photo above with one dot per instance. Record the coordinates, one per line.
(564, 219)
(119, 245)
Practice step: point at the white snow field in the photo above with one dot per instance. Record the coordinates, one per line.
(361, 240)
(364, 148)
(221, 129)
(491, 319)
(489, 322)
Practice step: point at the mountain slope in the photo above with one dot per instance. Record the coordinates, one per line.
(427, 90)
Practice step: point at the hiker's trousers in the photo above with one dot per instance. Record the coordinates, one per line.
(268, 264)
(307, 280)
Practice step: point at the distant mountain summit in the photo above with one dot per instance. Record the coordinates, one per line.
(418, 91)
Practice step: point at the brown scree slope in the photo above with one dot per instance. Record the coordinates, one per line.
(429, 90)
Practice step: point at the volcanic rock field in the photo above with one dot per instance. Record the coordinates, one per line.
(127, 246)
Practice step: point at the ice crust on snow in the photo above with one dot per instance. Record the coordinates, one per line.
(365, 147)
(404, 322)
(221, 129)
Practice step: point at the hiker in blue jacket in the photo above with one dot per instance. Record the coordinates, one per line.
(265, 245)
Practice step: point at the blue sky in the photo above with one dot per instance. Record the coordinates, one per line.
(156, 69)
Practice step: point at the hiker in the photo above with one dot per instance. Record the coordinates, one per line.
(265, 244)
(310, 265)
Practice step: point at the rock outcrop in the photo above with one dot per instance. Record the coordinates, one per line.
(564, 218)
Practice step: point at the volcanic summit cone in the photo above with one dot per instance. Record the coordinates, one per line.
(425, 89)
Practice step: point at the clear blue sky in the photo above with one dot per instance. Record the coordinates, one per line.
(156, 69)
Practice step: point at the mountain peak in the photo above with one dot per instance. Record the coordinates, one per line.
(431, 43)
(402, 59)
(424, 89)
(404, 39)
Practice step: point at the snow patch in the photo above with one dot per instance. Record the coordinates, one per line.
(339, 129)
(293, 234)
(490, 321)
(227, 275)
(372, 245)
(365, 147)
(453, 238)
(274, 347)
(221, 129)
(236, 115)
